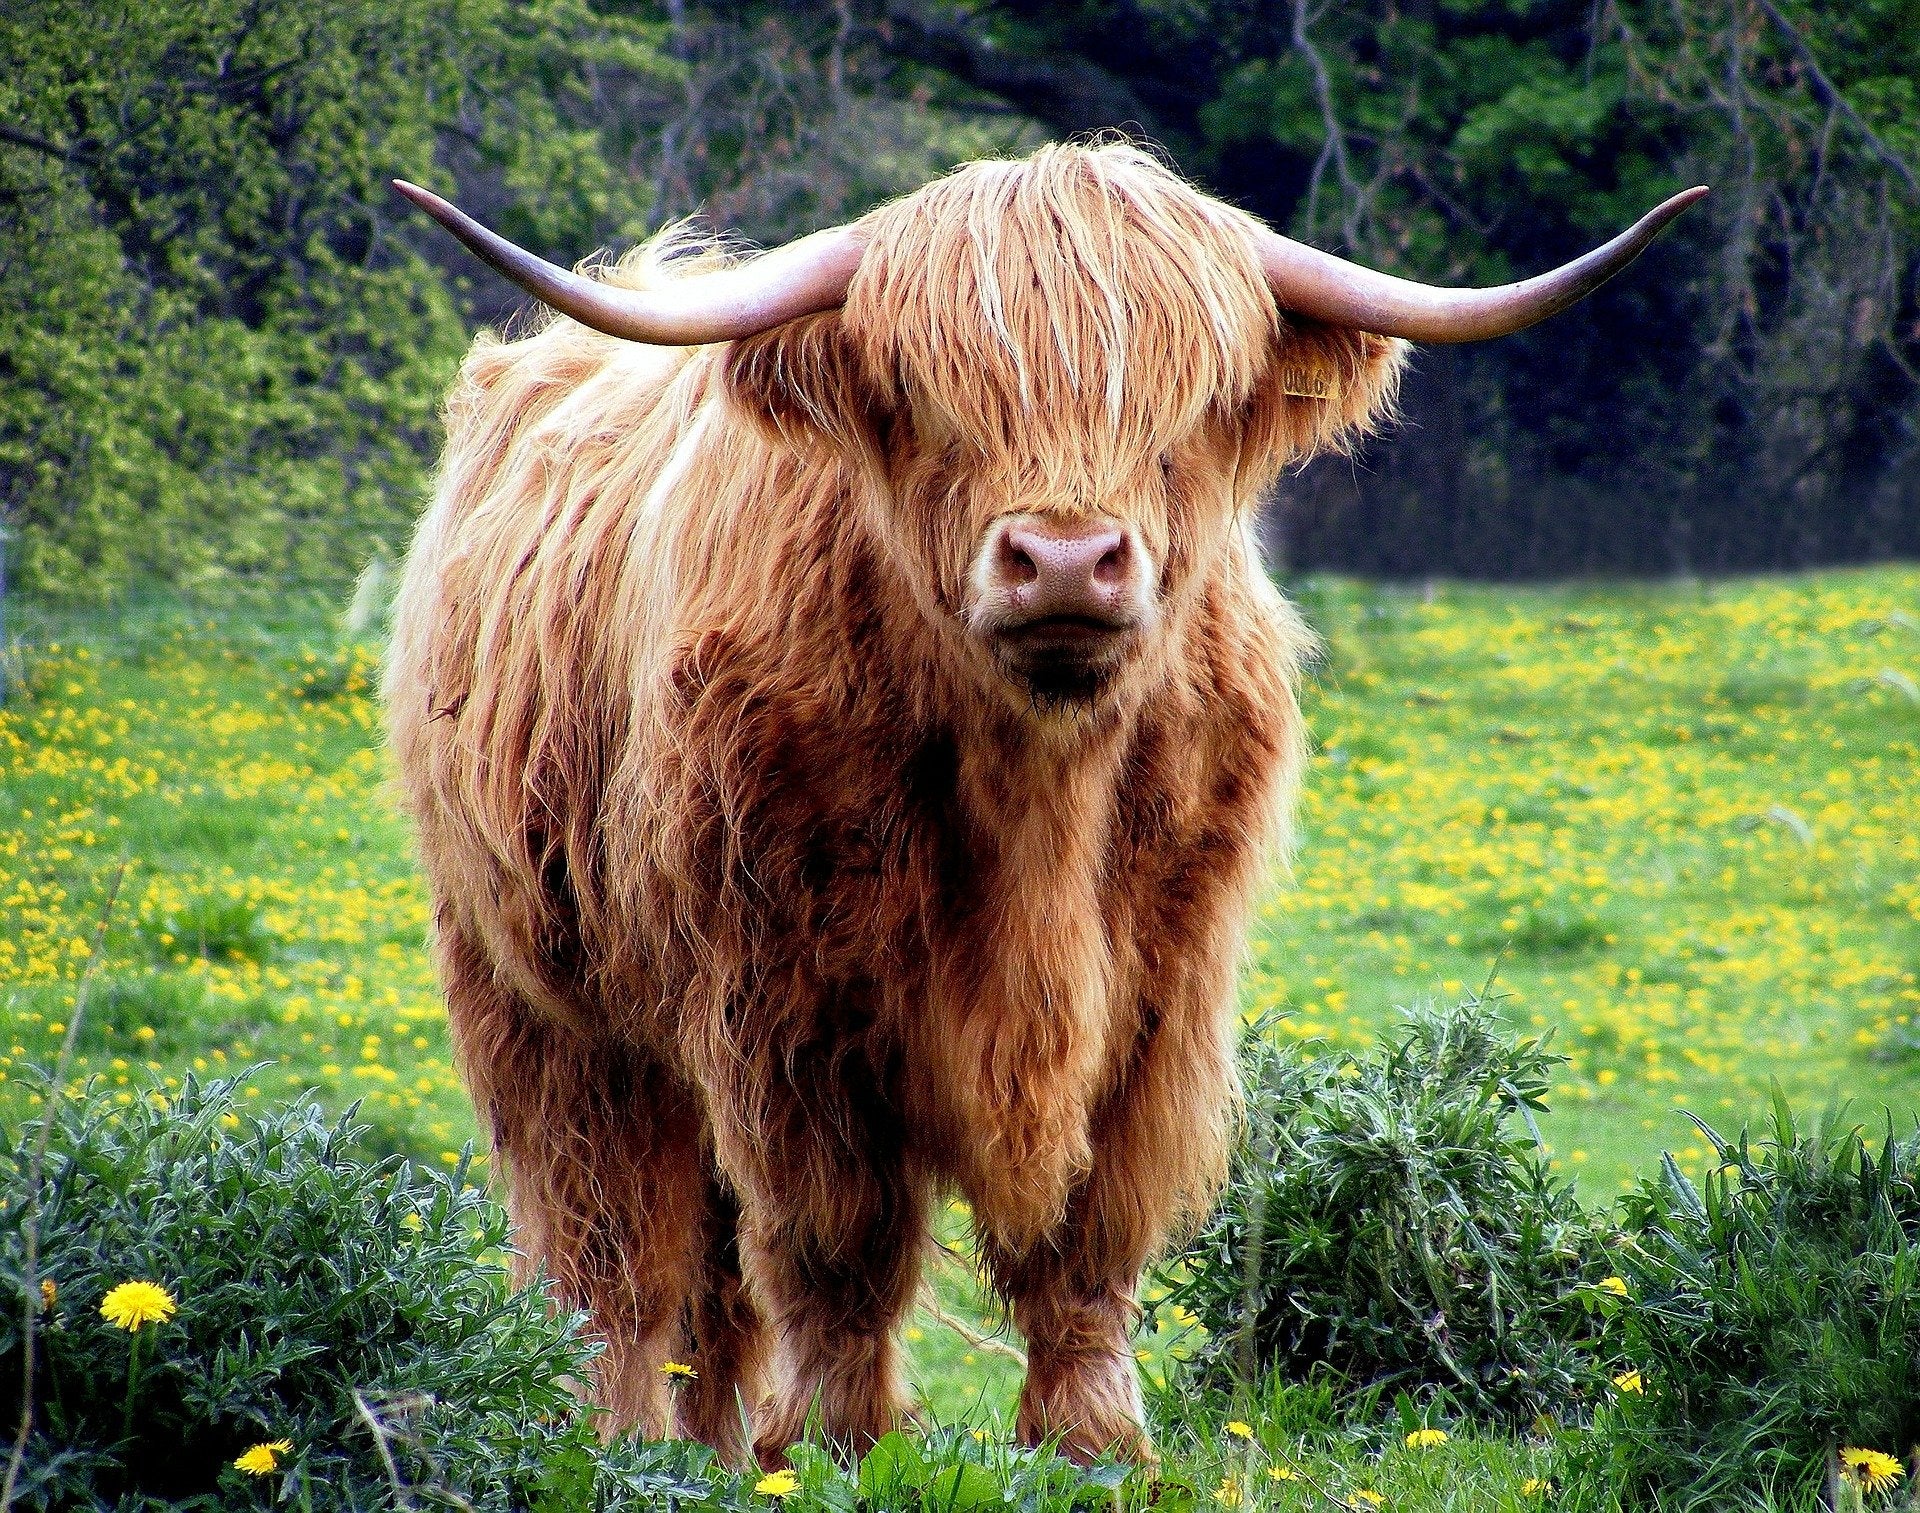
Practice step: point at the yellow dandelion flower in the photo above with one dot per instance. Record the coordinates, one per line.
(261, 1460)
(1426, 1439)
(1536, 1486)
(1282, 1473)
(132, 1304)
(777, 1484)
(1615, 1285)
(49, 1294)
(1228, 1491)
(1240, 1429)
(1873, 1470)
(1629, 1381)
(1365, 1498)
(678, 1371)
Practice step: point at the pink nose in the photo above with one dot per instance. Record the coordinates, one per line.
(1086, 572)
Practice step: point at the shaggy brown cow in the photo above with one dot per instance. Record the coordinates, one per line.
(844, 754)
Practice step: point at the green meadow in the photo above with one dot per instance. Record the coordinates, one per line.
(1673, 826)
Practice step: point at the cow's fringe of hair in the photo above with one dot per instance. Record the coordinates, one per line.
(1120, 309)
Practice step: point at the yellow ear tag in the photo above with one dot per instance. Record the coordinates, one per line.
(1306, 383)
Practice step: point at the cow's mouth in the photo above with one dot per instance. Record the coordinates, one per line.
(1065, 632)
(1063, 660)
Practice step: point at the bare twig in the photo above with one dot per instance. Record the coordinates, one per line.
(929, 1301)
(837, 57)
(930, 1305)
(1334, 148)
(401, 1496)
(1244, 1343)
(30, 1224)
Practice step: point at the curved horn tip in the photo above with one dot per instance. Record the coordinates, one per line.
(426, 199)
(1684, 200)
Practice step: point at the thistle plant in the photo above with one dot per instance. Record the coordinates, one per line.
(1392, 1219)
(242, 1294)
(1770, 1320)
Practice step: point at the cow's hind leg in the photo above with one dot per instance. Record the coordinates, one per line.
(600, 1152)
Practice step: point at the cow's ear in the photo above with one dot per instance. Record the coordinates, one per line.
(804, 380)
(1328, 388)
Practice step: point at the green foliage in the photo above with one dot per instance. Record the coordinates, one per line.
(1390, 1219)
(224, 343)
(1304, 1447)
(219, 926)
(948, 1470)
(350, 669)
(1773, 1313)
(218, 361)
(322, 1298)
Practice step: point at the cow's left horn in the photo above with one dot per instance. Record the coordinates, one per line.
(798, 279)
(1326, 288)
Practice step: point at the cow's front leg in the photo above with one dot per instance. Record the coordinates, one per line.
(1073, 1296)
(1158, 1149)
(833, 1222)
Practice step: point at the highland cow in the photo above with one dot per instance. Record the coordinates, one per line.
(847, 722)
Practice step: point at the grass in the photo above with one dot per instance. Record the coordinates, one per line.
(1680, 819)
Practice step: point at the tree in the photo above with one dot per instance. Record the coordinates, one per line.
(223, 344)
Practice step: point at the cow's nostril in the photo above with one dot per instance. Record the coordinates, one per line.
(1015, 562)
(1112, 566)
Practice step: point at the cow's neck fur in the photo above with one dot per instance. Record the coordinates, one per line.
(1012, 1025)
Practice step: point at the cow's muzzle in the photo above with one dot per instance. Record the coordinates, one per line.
(1060, 603)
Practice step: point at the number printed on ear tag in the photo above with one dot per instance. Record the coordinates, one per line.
(1306, 383)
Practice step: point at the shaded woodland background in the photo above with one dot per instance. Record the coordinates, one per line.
(222, 343)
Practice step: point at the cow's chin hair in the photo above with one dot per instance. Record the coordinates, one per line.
(1062, 685)
(1066, 681)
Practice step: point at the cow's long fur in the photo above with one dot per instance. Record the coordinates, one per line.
(765, 904)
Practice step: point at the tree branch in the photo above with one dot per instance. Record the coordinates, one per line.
(1829, 95)
(27, 139)
(1334, 148)
(1066, 92)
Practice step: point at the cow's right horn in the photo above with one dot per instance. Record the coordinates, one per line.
(798, 279)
